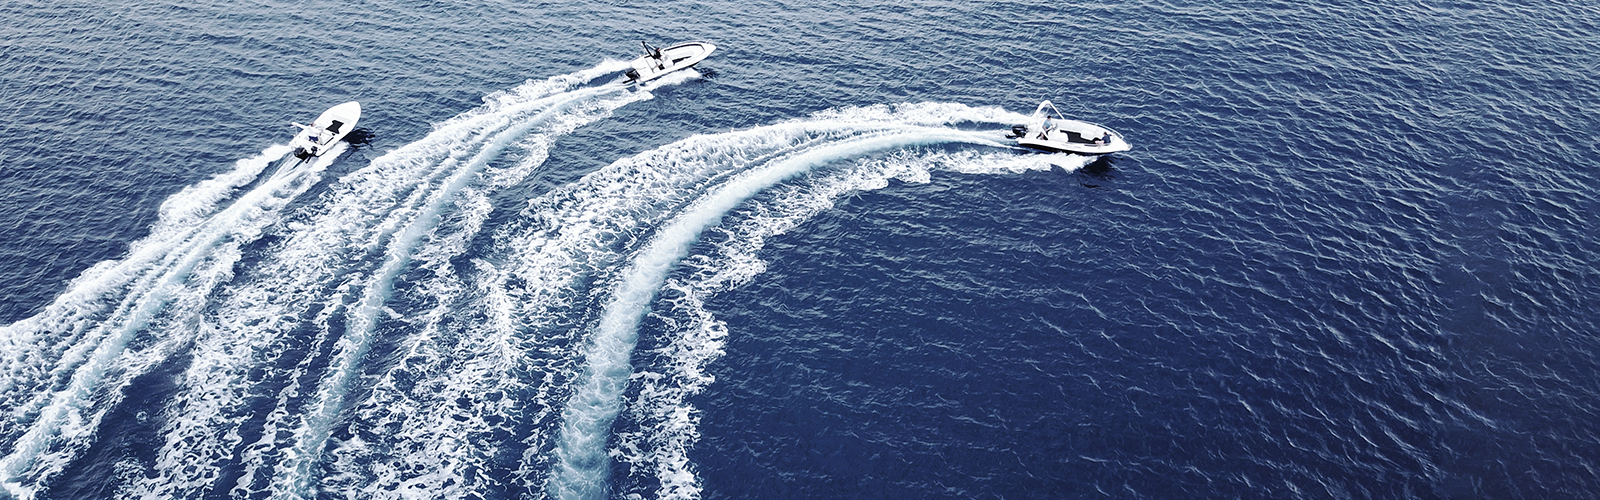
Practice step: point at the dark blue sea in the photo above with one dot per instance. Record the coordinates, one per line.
(1351, 255)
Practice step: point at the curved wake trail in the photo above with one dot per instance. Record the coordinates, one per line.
(524, 360)
(313, 307)
(428, 446)
(607, 243)
(84, 340)
(32, 344)
(695, 337)
(362, 318)
(583, 462)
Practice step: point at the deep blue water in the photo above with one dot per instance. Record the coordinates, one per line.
(1351, 255)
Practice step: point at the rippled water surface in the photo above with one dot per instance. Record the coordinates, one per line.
(1351, 255)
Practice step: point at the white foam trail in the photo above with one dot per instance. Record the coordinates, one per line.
(314, 304)
(36, 342)
(442, 427)
(431, 169)
(314, 271)
(362, 319)
(29, 348)
(390, 210)
(531, 300)
(582, 466)
(697, 337)
(178, 273)
(432, 434)
(423, 445)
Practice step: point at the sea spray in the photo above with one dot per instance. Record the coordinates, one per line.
(695, 338)
(186, 266)
(582, 464)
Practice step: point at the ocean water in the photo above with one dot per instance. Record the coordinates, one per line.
(1351, 255)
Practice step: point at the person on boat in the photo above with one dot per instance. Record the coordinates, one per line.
(1106, 139)
(1046, 128)
(313, 134)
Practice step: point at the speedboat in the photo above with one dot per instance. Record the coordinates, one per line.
(1047, 130)
(320, 136)
(659, 61)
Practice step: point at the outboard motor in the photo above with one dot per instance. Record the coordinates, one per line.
(1018, 130)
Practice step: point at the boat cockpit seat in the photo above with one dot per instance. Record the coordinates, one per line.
(335, 126)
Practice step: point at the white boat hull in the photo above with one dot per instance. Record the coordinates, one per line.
(659, 62)
(327, 130)
(1054, 134)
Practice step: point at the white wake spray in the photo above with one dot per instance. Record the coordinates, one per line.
(609, 241)
(330, 277)
(695, 338)
(84, 335)
(583, 460)
(525, 360)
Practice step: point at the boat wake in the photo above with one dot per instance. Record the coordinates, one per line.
(395, 338)
(586, 263)
(64, 368)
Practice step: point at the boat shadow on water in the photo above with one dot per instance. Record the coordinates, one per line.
(1094, 175)
(1100, 167)
(360, 137)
